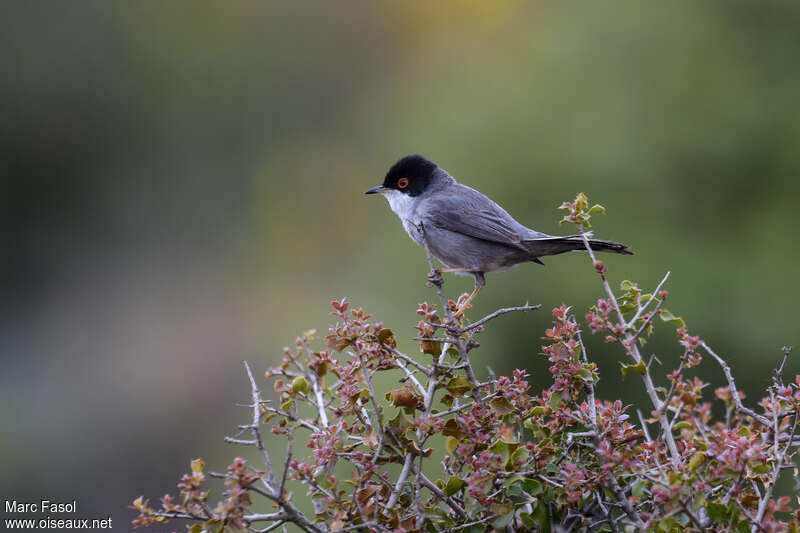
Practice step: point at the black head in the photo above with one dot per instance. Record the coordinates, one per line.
(411, 175)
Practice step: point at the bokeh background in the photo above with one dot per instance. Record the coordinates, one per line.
(182, 189)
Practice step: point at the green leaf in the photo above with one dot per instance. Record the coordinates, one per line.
(581, 201)
(639, 368)
(454, 484)
(212, 524)
(639, 489)
(448, 400)
(399, 424)
(541, 516)
(299, 384)
(452, 429)
(532, 487)
(527, 521)
(667, 525)
(667, 316)
(555, 400)
(718, 512)
(760, 468)
(597, 209)
(502, 406)
(515, 480)
(503, 521)
(520, 456)
(198, 465)
(500, 448)
(626, 285)
(697, 459)
(451, 443)
(683, 424)
(459, 386)
(431, 347)
(587, 375)
(386, 336)
(322, 480)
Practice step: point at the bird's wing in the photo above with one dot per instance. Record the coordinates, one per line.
(473, 214)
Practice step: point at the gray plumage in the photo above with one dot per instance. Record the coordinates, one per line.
(464, 228)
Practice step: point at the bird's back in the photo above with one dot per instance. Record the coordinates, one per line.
(474, 207)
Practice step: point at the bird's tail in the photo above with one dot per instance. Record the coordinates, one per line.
(559, 245)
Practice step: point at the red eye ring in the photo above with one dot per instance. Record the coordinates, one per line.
(402, 183)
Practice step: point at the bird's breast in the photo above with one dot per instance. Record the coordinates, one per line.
(401, 204)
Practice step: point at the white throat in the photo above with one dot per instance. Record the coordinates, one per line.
(402, 204)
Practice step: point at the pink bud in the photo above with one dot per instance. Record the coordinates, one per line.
(600, 268)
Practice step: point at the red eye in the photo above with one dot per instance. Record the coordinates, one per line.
(402, 183)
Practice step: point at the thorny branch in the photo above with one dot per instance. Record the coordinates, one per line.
(633, 349)
(447, 452)
(737, 400)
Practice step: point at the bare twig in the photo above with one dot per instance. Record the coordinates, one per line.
(613, 485)
(288, 416)
(653, 298)
(289, 443)
(776, 468)
(416, 364)
(484, 520)
(633, 349)
(462, 407)
(375, 405)
(590, 398)
(761, 419)
(271, 482)
(649, 320)
(314, 379)
(365, 525)
(270, 527)
(522, 308)
(401, 480)
(410, 375)
(451, 502)
(778, 374)
(778, 453)
(231, 440)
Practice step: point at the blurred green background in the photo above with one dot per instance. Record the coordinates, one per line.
(182, 189)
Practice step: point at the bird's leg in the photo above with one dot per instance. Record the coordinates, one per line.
(456, 270)
(435, 276)
(480, 283)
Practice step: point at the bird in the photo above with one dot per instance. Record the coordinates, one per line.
(465, 230)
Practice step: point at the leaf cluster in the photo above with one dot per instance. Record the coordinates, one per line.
(443, 451)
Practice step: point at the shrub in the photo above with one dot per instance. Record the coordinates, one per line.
(509, 458)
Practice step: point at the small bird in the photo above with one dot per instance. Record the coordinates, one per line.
(464, 229)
